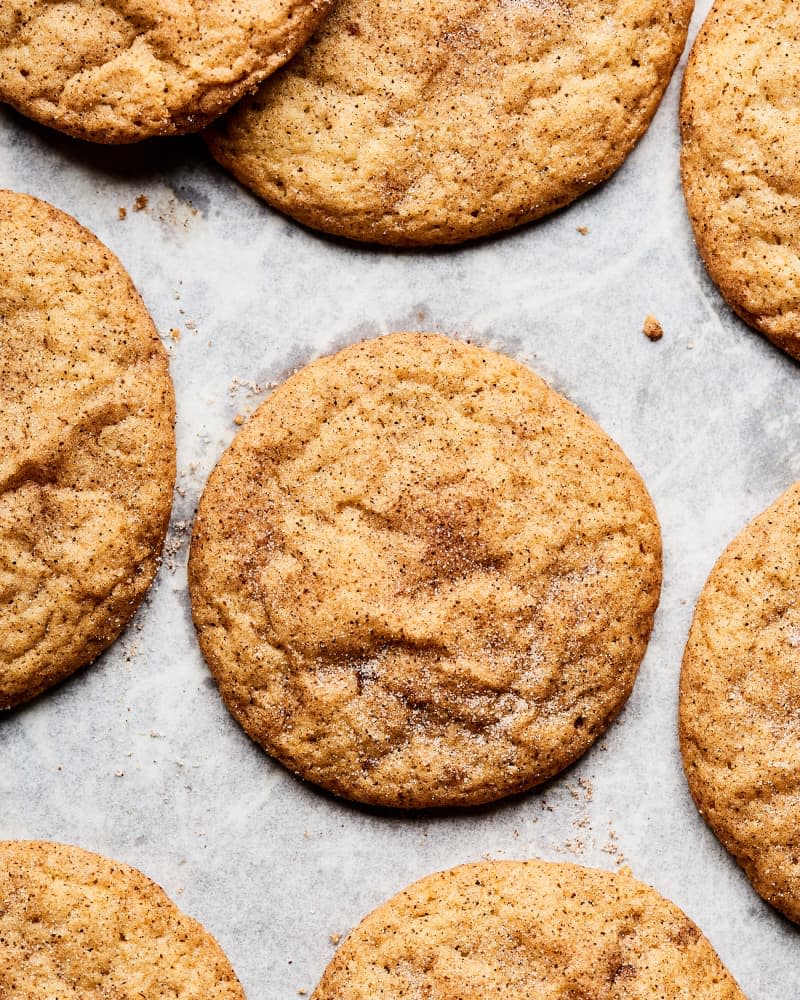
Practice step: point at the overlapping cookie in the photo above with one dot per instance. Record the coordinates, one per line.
(122, 70)
(421, 577)
(87, 449)
(75, 925)
(740, 702)
(527, 929)
(416, 123)
(740, 119)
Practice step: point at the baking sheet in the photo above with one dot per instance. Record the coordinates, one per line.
(137, 758)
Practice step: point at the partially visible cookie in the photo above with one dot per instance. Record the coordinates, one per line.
(421, 577)
(527, 929)
(740, 120)
(415, 122)
(119, 71)
(740, 702)
(75, 925)
(87, 449)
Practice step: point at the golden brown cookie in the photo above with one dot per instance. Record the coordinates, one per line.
(740, 119)
(87, 450)
(123, 70)
(415, 122)
(75, 926)
(740, 702)
(527, 929)
(421, 577)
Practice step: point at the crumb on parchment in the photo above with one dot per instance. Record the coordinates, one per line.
(141, 203)
(122, 212)
(583, 230)
(652, 329)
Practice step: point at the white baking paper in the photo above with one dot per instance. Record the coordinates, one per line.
(137, 758)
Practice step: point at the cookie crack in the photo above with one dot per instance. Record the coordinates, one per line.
(48, 469)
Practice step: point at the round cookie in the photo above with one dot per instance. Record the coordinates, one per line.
(527, 929)
(412, 123)
(421, 577)
(115, 72)
(740, 121)
(75, 925)
(740, 702)
(87, 450)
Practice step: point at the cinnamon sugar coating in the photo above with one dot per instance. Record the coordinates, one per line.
(740, 702)
(118, 71)
(416, 122)
(87, 449)
(421, 577)
(527, 929)
(740, 123)
(78, 926)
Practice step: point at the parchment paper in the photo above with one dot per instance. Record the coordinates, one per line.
(137, 758)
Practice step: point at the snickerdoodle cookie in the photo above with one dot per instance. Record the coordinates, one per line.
(740, 118)
(416, 122)
(740, 702)
(87, 451)
(75, 925)
(123, 70)
(527, 929)
(422, 577)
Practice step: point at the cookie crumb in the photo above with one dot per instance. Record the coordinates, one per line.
(238, 419)
(175, 334)
(583, 230)
(336, 938)
(122, 212)
(652, 329)
(141, 203)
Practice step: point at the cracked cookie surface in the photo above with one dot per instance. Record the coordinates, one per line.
(78, 926)
(740, 122)
(87, 450)
(527, 929)
(740, 702)
(123, 70)
(422, 577)
(418, 122)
